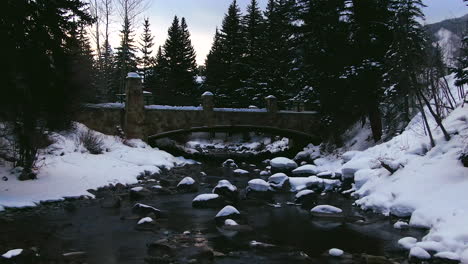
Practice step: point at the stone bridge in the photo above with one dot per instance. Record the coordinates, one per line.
(155, 121)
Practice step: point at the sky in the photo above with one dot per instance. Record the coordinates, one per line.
(203, 16)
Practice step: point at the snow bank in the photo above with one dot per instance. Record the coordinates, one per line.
(66, 169)
(429, 186)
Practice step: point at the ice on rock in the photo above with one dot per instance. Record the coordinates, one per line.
(283, 163)
(205, 197)
(12, 253)
(186, 181)
(258, 185)
(419, 253)
(407, 242)
(227, 211)
(306, 169)
(145, 220)
(336, 252)
(230, 222)
(326, 209)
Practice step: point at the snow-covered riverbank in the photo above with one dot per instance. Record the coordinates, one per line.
(67, 169)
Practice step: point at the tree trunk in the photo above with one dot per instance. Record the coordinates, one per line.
(375, 119)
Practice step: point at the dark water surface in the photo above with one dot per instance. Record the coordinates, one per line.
(110, 235)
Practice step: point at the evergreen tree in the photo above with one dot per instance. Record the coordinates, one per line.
(254, 34)
(125, 60)
(215, 68)
(279, 49)
(146, 61)
(229, 53)
(180, 67)
(157, 80)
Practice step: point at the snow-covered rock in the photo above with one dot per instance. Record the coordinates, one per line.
(282, 164)
(401, 225)
(230, 163)
(326, 209)
(265, 173)
(228, 212)
(350, 167)
(258, 185)
(187, 184)
(407, 242)
(208, 200)
(313, 182)
(305, 170)
(305, 196)
(12, 253)
(336, 252)
(240, 172)
(145, 220)
(230, 222)
(419, 253)
(279, 181)
(226, 189)
(448, 255)
(143, 209)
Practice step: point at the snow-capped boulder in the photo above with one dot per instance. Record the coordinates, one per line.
(336, 252)
(230, 222)
(143, 209)
(208, 200)
(137, 193)
(279, 181)
(282, 164)
(258, 189)
(349, 155)
(258, 185)
(187, 184)
(401, 225)
(350, 167)
(145, 220)
(401, 210)
(419, 253)
(448, 256)
(407, 242)
(240, 172)
(326, 209)
(305, 170)
(228, 212)
(227, 190)
(431, 246)
(265, 173)
(230, 163)
(12, 253)
(305, 196)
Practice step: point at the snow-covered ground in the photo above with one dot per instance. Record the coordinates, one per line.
(67, 169)
(429, 186)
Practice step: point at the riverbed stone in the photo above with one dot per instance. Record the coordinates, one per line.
(138, 193)
(143, 209)
(227, 190)
(279, 182)
(282, 164)
(111, 202)
(187, 185)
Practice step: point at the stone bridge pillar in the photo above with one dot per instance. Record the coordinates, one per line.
(271, 104)
(207, 100)
(134, 107)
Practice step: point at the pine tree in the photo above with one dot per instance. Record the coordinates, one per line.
(125, 60)
(254, 34)
(229, 54)
(279, 49)
(157, 79)
(215, 67)
(180, 67)
(146, 61)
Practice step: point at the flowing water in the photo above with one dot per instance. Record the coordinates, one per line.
(110, 235)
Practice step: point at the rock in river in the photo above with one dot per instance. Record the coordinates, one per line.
(208, 200)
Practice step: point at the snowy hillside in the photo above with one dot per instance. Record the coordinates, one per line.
(449, 44)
